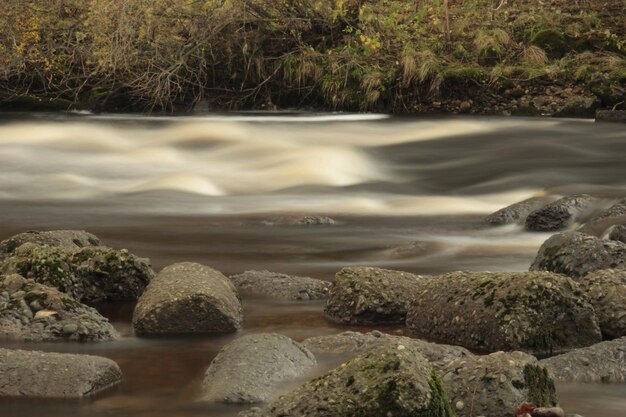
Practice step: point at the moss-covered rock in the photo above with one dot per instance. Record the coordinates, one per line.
(493, 385)
(69, 239)
(576, 254)
(618, 233)
(366, 295)
(89, 274)
(36, 312)
(550, 39)
(606, 290)
(393, 380)
(537, 312)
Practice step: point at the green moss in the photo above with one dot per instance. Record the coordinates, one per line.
(541, 390)
(439, 403)
(464, 74)
(550, 39)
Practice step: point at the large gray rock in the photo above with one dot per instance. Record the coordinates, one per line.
(538, 312)
(35, 312)
(494, 385)
(393, 380)
(559, 214)
(91, 274)
(188, 298)
(251, 368)
(618, 233)
(354, 343)
(280, 286)
(517, 212)
(55, 375)
(602, 362)
(606, 291)
(366, 295)
(576, 254)
(68, 239)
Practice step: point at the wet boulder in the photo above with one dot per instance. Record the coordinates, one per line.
(615, 214)
(576, 254)
(366, 295)
(602, 362)
(31, 374)
(280, 286)
(188, 298)
(517, 212)
(606, 291)
(91, 274)
(35, 312)
(559, 214)
(494, 385)
(537, 312)
(68, 239)
(251, 368)
(354, 343)
(618, 233)
(393, 380)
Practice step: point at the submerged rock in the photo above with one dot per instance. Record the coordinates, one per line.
(366, 295)
(517, 212)
(55, 375)
(494, 385)
(354, 343)
(188, 298)
(250, 369)
(393, 380)
(90, 274)
(300, 221)
(602, 362)
(537, 312)
(606, 291)
(68, 239)
(559, 214)
(576, 254)
(280, 286)
(35, 312)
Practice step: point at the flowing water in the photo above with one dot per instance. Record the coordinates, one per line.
(228, 190)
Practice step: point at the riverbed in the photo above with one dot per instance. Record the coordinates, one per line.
(231, 191)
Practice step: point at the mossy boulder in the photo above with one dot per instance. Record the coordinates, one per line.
(366, 295)
(576, 254)
(517, 212)
(552, 40)
(188, 298)
(494, 385)
(602, 362)
(251, 368)
(537, 312)
(618, 233)
(89, 274)
(69, 239)
(280, 286)
(393, 380)
(55, 375)
(36, 312)
(559, 214)
(606, 291)
(609, 89)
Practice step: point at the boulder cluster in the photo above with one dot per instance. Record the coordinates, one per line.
(508, 335)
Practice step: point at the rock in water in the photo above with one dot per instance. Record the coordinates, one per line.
(68, 239)
(91, 274)
(393, 380)
(365, 295)
(618, 233)
(576, 254)
(188, 298)
(517, 212)
(606, 290)
(55, 375)
(537, 312)
(493, 385)
(602, 362)
(249, 369)
(560, 214)
(35, 312)
(280, 286)
(613, 215)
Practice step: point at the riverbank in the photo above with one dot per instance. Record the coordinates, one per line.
(522, 58)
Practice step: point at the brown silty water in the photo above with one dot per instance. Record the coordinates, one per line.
(406, 194)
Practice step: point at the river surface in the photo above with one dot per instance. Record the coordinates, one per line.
(229, 191)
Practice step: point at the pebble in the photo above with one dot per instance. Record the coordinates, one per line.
(70, 328)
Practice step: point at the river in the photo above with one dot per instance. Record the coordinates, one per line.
(228, 190)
